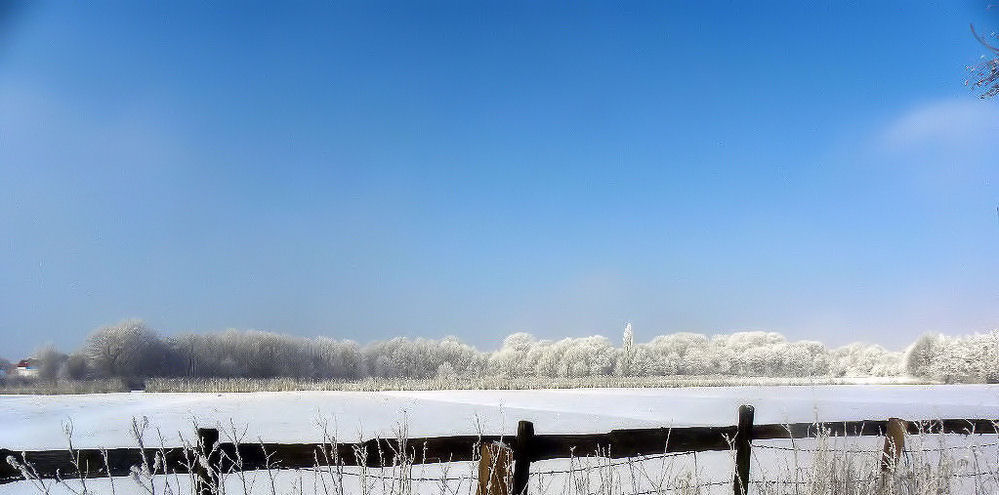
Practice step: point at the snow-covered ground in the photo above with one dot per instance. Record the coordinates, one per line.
(34, 422)
(103, 420)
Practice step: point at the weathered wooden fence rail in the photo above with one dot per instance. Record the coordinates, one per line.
(526, 447)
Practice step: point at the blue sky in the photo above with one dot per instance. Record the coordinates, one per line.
(371, 169)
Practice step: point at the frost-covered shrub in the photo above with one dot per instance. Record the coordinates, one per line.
(865, 360)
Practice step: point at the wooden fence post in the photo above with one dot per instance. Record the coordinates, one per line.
(494, 469)
(894, 444)
(743, 446)
(522, 457)
(204, 474)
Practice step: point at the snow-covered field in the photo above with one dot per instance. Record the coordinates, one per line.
(103, 420)
(34, 422)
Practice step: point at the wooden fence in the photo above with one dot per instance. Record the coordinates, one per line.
(526, 446)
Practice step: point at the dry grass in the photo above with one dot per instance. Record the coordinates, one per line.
(223, 385)
(237, 385)
(932, 465)
(63, 387)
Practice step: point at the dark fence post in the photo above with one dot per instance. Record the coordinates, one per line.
(204, 476)
(522, 457)
(743, 445)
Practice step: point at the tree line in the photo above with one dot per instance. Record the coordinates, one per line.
(131, 350)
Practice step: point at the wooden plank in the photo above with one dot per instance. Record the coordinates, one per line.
(810, 430)
(374, 452)
(49, 463)
(957, 426)
(633, 442)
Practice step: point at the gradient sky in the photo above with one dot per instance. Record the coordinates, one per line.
(371, 169)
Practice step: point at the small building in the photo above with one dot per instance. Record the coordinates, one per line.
(27, 367)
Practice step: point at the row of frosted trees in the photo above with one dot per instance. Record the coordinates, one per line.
(971, 358)
(741, 354)
(132, 350)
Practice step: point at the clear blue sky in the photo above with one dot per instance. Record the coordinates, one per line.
(371, 169)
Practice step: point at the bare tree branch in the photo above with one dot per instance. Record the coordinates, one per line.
(982, 40)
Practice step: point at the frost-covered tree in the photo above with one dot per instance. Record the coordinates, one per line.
(50, 361)
(627, 352)
(919, 357)
(333, 359)
(860, 360)
(76, 367)
(512, 357)
(985, 75)
(446, 371)
(128, 349)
